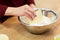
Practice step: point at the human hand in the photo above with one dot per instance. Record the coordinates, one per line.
(24, 10)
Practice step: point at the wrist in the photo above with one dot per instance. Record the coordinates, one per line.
(9, 11)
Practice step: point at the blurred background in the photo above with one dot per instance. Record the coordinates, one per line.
(53, 4)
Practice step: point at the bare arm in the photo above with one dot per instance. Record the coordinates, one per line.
(24, 10)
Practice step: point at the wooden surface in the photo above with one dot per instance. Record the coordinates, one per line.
(15, 31)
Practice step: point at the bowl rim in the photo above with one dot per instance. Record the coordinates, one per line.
(19, 18)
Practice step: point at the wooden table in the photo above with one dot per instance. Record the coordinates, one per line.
(15, 31)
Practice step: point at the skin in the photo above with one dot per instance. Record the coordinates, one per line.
(25, 10)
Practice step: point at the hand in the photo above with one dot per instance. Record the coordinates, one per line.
(32, 5)
(25, 10)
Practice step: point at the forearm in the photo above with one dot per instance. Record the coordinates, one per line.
(9, 11)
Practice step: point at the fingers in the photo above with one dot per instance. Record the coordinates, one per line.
(30, 11)
(31, 16)
(29, 8)
(32, 5)
(28, 16)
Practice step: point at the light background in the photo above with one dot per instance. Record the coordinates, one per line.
(53, 4)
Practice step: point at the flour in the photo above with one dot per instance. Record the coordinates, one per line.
(39, 20)
(45, 21)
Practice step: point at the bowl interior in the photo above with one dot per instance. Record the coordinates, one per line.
(24, 23)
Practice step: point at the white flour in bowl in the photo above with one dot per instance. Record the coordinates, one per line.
(39, 20)
(45, 21)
